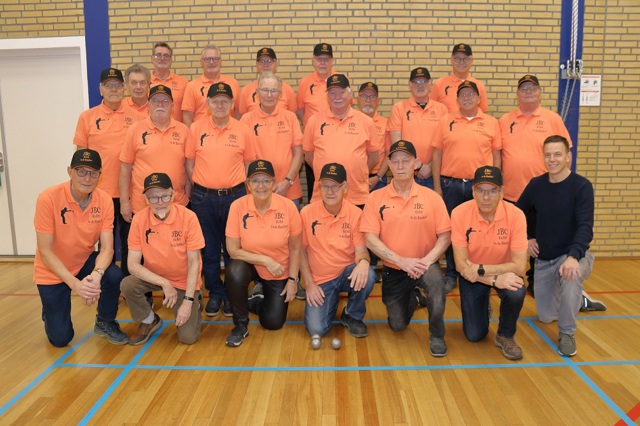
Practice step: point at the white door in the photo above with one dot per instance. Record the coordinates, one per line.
(43, 90)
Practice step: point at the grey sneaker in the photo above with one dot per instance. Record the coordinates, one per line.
(437, 346)
(357, 328)
(450, 284)
(567, 345)
(420, 297)
(145, 331)
(256, 297)
(301, 294)
(510, 348)
(110, 330)
(237, 336)
(257, 290)
(590, 304)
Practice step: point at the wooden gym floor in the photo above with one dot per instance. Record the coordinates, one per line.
(276, 378)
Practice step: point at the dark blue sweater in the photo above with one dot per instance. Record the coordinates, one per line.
(562, 219)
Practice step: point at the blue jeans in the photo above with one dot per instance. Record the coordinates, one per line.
(454, 193)
(382, 182)
(400, 300)
(474, 300)
(428, 182)
(212, 212)
(318, 319)
(271, 311)
(56, 302)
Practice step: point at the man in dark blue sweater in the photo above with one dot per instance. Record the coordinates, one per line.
(559, 239)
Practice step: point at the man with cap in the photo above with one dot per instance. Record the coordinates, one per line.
(444, 88)
(168, 236)
(415, 120)
(489, 239)
(162, 58)
(263, 238)
(70, 219)
(194, 103)
(368, 101)
(408, 227)
(341, 134)
(559, 206)
(156, 143)
(464, 141)
(266, 61)
(311, 96)
(104, 128)
(334, 257)
(217, 154)
(276, 135)
(137, 79)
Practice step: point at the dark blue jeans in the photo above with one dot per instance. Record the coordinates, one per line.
(212, 212)
(272, 310)
(454, 193)
(428, 182)
(56, 302)
(400, 300)
(318, 319)
(474, 299)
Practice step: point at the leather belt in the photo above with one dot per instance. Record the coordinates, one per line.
(219, 192)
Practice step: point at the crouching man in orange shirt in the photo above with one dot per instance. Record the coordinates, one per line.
(70, 218)
(169, 238)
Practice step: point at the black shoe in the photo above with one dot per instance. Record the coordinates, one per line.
(437, 346)
(227, 309)
(590, 304)
(237, 336)
(110, 330)
(420, 297)
(301, 293)
(213, 307)
(449, 284)
(357, 328)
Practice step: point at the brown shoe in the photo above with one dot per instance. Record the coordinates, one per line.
(145, 331)
(510, 348)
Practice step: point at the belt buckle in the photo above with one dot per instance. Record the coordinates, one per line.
(466, 180)
(222, 192)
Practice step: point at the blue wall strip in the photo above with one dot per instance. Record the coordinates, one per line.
(96, 30)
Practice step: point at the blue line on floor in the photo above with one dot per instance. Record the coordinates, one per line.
(42, 376)
(576, 368)
(127, 369)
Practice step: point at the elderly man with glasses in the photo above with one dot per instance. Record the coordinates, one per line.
(162, 58)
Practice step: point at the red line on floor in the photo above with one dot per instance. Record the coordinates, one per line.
(634, 414)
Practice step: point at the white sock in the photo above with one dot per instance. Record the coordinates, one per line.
(149, 319)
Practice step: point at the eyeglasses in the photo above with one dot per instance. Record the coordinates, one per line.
(211, 59)
(258, 182)
(165, 198)
(160, 100)
(420, 82)
(468, 95)
(112, 85)
(487, 192)
(83, 172)
(322, 60)
(271, 92)
(368, 97)
(266, 61)
(332, 188)
(528, 88)
(461, 60)
(162, 56)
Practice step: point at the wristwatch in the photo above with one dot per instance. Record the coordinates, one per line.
(481, 270)
(289, 181)
(100, 271)
(494, 281)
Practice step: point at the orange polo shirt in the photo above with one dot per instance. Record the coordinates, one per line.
(522, 139)
(312, 96)
(219, 153)
(149, 149)
(274, 136)
(164, 243)
(445, 90)
(489, 243)
(409, 228)
(104, 130)
(417, 125)
(267, 235)
(178, 85)
(195, 95)
(346, 142)
(381, 139)
(330, 240)
(249, 98)
(141, 112)
(466, 144)
(75, 232)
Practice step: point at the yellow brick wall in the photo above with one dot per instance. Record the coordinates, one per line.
(383, 40)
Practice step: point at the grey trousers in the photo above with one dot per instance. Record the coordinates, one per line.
(134, 289)
(557, 299)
